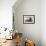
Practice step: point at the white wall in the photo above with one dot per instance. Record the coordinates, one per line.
(43, 22)
(28, 7)
(6, 13)
(37, 31)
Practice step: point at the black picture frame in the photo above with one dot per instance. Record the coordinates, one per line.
(28, 19)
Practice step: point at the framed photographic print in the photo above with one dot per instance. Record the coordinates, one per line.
(28, 19)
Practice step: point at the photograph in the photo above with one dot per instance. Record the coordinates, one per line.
(28, 19)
